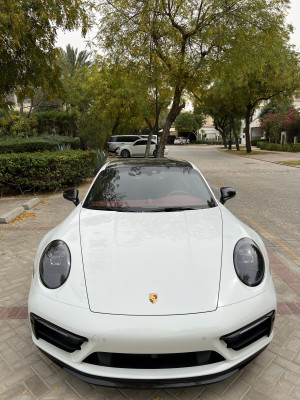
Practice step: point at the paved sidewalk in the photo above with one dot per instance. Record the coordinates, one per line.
(25, 373)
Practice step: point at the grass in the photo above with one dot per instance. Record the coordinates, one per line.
(294, 162)
(243, 152)
(199, 144)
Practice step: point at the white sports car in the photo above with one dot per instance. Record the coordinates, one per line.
(151, 281)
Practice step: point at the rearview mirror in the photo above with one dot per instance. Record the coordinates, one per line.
(72, 195)
(226, 194)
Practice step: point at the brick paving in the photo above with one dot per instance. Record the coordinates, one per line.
(25, 373)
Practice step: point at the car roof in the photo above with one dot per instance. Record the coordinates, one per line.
(161, 162)
(138, 136)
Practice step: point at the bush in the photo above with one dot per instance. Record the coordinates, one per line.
(6, 123)
(91, 131)
(31, 145)
(209, 141)
(24, 127)
(292, 131)
(254, 142)
(56, 122)
(45, 171)
(277, 147)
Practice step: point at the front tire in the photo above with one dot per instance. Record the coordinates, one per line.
(125, 154)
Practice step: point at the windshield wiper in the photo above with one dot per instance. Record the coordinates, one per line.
(141, 209)
(182, 208)
(170, 209)
(110, 209)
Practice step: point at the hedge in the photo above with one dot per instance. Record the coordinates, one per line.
(45, 171)
(36, 144)
(209, 141)
(278, 147)
(254, 142)
(59, 122)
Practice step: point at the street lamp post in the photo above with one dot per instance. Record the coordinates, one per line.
(230, 142)
(156, 120)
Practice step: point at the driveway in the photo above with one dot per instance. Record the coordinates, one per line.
(267, 199)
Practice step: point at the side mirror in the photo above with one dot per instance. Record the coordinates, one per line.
(226, 194)
(72, 195)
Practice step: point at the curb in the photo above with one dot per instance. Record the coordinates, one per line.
(9, 216)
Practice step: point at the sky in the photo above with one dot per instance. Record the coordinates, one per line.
(293, 18)
(75, 39)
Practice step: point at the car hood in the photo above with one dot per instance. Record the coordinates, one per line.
(174, 255)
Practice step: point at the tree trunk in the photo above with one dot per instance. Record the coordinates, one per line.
(8, 115)
(223, 134)
(173, 113)
(236, 139)
(21, 110)
(247, 129)
(115, 125)
(152, 128)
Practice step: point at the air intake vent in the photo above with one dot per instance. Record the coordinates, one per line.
(154, 361)
(250, 333)
(55, 335)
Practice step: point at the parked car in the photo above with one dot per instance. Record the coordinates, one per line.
(181, 140)
(117, 141)
(137, 149)
(151, 281)
(153, 138)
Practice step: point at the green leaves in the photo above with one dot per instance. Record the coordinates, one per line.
(46, 171)
(186, 122)
(27, 39)
(195, 43)
(36, 144)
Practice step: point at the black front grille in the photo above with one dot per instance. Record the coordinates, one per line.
(55, 335)
(241, 338)
(154, 361)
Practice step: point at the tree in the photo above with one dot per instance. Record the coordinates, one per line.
(186, 37)
(73, 60)
(282, 118)
(186, 122)
(272, 107)
(28, 29)
(259, 69)
(123, 98)
(224, 107)
(75, 69)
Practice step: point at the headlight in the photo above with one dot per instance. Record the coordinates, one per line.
(248, 262)
(55, 264)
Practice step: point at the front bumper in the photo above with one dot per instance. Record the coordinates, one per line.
(153, 335)
(154, 383)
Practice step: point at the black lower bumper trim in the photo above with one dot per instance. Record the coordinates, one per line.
(153, 383)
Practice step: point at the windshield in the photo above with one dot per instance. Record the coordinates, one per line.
(149, 187)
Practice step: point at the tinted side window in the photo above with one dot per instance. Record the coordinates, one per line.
(141, 142)
(132, 138)
(113, 139)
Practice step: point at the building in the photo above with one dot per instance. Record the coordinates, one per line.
(208, 131)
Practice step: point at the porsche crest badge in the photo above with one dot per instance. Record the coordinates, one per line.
(153, 298)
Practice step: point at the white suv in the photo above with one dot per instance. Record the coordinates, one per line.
(117, 141)
(181, 140)
(137, 149)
